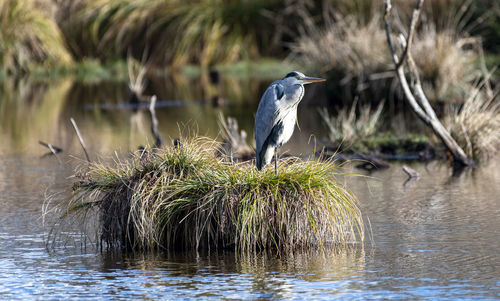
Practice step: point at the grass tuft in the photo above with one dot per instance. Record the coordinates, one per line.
(188, 197)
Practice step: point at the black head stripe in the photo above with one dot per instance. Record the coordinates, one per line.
(291, 74)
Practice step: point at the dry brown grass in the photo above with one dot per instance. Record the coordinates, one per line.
(346, 44)
(448, 63)
(475, 125)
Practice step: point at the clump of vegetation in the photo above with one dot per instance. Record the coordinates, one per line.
(28, 37)
(186, 196)
(346, 43)
(475, 124)
(349, 128)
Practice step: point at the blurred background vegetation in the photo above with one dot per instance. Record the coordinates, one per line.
(458, 39)
(327, 34)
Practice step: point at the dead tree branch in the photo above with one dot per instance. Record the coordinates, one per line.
(137, 73)
(416, 97)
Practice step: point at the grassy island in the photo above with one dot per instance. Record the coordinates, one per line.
(189, 197)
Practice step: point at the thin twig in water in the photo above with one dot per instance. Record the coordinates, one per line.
(154, 123)
(54, 152)
(80, 138)
(56, 148)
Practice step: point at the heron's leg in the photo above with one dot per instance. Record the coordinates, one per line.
(276, 161)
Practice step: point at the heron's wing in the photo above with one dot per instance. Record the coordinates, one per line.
(267, 113)
(279, 90)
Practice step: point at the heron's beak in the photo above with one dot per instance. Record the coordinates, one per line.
(308, 80)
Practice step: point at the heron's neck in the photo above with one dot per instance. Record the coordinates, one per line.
(298, 93)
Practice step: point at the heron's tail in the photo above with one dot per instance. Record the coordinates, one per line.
(264, 157)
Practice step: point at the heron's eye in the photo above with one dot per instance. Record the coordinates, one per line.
(297, 76)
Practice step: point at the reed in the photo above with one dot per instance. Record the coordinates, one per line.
(188, 197)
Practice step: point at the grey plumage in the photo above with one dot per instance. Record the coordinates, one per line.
(277, 114)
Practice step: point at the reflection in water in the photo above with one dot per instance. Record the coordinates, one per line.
(29, 112)
(435, 238)
(441, 229)
(32, 112)
(225, 274)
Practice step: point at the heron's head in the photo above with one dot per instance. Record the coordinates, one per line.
(298, 78)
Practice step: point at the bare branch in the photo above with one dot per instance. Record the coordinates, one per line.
(137, 81)
(56, 149)
(55, 153)
(388, 31)
(413, 24)
(412, 176)
(417, 99)
(82, 143)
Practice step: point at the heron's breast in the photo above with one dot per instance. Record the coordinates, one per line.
(288, 128)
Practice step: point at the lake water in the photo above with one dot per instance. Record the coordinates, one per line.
(434, 238)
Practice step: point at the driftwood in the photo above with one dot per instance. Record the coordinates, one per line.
(410, 172)
(82, 143)
(369, 162)
(415, 94)
(375, 159)
(234, 142)
(413, 176)
(366, 161)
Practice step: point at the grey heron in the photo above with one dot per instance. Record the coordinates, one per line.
(277, 114)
